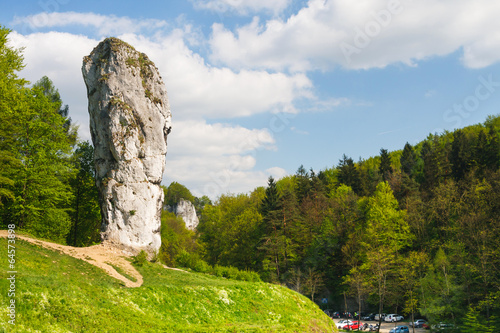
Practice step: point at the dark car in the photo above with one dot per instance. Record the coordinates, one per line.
(369, 317)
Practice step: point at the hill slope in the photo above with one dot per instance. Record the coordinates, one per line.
(58, 293)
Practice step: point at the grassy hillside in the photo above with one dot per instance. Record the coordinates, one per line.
(57, 293)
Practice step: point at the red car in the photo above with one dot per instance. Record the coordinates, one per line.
(354, 326)
(426, 326)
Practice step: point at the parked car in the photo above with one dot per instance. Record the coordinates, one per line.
(370, 316)
(443, 327)
(400, 329)
(393, 317)
(343, 322)
(426, 326)
(378, 315)
(355, 325)
(418, 323)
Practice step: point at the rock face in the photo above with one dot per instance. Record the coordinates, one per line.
(129, 122)
(186, 210)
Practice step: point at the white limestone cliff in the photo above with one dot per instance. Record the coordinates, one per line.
(187, 211)
(129, 122)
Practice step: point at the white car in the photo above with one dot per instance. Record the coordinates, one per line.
(343, 322)
(393, 317)
(418, 323)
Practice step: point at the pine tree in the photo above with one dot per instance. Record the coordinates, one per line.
(385, 168)
(408, 160)
(460, 155)
(348, 174)
(271, 200)
(492, 158)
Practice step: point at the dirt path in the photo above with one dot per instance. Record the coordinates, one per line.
(98, 255)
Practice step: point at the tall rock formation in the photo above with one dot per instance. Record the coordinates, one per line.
(186, 210)
(129, 123)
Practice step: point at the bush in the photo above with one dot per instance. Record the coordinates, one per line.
(192, 261)
(141, 258)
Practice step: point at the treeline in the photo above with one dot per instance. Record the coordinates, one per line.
(409, 231)
(46, 173)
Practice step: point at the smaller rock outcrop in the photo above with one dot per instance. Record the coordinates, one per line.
(186, 210)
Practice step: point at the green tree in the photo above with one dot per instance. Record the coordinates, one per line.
(36, 150)
(229, 232)
(411, 270)
(385, 167)
(200, 203)
(11, 61)
(408, 160)
(280, 225)
(461, 157)
(175, 192)
(303, 183)
(442, 296)
(175, 239)
(348, 174)
(492, 153)
(386, 234)
(271, 200)
(86, 213)
(49, 90)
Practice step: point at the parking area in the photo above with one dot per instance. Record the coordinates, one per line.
(386, 327)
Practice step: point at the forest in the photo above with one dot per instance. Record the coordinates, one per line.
(413, 231)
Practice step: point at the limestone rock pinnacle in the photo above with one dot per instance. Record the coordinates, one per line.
(129, 122)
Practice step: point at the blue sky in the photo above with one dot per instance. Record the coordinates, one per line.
(259, 87)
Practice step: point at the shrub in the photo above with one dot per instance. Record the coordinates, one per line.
(192, 261)
(141, 258)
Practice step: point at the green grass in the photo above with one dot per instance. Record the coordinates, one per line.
(122, 272)
(57, 293)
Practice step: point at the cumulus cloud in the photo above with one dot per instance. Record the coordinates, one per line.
(242, 7)
(217, 158)
(211, 157)
(59, 56)
(201, 90)
(105, 25)
(363, 34)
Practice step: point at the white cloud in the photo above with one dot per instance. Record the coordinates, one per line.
(59, 56)
(199, 90)
(364, 34)
(216, 158)
(211, 158)
(242, 7)
(277, 172)
(105, 24)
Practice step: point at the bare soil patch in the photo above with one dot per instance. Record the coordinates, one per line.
(97, 255)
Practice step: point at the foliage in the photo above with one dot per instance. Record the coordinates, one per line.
(86, 213)
(140, 258)
(175, 192)
(36, 151)
(422, 241)
(175, 238)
